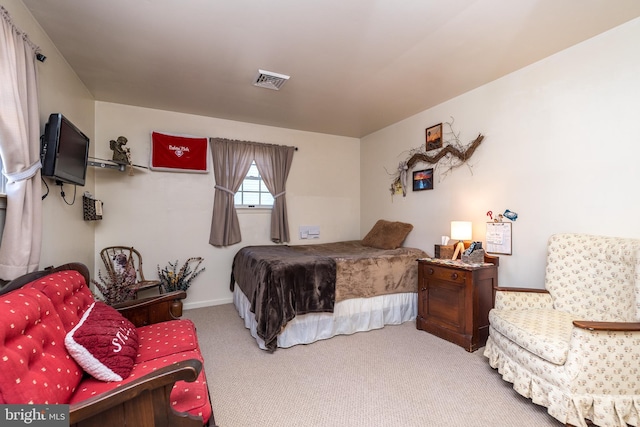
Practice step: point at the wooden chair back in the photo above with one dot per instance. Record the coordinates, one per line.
(108, 255)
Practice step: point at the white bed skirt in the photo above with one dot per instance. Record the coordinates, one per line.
(348, 317)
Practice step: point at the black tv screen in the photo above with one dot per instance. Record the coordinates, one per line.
(65, 150)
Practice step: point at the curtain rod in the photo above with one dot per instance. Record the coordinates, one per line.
(36, 49)
(250, 142)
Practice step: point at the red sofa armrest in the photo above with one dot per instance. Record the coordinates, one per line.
(144, 402)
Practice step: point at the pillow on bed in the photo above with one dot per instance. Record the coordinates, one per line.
(103, 343)
(387, 234)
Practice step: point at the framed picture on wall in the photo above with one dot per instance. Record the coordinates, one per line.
(434, 137)
(423, 180)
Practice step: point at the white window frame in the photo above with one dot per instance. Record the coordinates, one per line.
(262, 189)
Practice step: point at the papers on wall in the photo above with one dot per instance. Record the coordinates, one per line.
(498, 238)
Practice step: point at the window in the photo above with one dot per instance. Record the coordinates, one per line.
(253, 192)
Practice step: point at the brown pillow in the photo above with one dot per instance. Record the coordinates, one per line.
(387, 234)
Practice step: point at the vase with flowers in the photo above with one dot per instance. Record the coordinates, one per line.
(173, 278)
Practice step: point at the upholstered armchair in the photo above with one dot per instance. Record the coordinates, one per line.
(574, 347)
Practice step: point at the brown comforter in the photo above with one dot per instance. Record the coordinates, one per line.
(283, 281)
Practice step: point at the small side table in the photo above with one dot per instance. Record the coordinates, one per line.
(454, 299)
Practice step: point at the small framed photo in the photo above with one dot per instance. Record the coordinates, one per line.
(434, 137)
(423, 180)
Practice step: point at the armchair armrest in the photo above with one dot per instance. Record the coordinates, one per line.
(522, 298)
(154, 309)
(608, 326)
(144, 402)
(528, 290)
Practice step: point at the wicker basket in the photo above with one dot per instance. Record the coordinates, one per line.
(91, 209)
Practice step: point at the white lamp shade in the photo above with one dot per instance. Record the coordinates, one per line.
(461, 230)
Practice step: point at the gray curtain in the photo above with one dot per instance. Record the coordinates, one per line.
(274, 164)
(20, 151)
(231, 162)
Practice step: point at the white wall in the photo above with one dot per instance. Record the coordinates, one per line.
(66, 237)
(561, 148)
(167, 216)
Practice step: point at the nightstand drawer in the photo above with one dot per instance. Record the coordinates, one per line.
(442, 273)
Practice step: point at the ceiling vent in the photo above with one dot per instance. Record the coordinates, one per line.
(270, 80)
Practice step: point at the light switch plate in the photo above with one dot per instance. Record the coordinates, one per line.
(309, 232)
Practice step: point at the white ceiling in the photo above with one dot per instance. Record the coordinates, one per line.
(356, 66)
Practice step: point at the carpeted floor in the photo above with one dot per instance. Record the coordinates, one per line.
(396, 376)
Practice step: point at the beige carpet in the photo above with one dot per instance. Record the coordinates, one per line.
(396, 376)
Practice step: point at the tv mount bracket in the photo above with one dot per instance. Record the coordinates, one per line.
(108, 165)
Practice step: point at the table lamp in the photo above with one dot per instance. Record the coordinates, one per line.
(460, 230)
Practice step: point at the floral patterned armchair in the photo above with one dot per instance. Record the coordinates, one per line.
(574, 347)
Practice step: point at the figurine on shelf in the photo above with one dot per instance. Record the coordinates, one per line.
(499, 217)
(121, 154)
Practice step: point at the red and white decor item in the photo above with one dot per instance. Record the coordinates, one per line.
(104, 343)
(179, 153)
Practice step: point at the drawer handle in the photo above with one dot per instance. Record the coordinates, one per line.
(454, 276)
(431, 271)
(423, 289)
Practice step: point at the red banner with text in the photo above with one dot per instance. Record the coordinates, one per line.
(179, 153)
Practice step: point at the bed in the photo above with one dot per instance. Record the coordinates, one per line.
(289, 295)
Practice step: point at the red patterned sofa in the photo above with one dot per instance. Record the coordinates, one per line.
(166, 386)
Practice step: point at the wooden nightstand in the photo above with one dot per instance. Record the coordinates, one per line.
(454, 299)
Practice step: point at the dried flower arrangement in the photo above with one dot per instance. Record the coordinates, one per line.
(115, 288)
(173, 279)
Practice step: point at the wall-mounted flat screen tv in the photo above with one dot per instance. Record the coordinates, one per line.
(65, 151)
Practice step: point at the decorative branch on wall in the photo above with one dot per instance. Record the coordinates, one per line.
(462, 156)
(452, 155)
